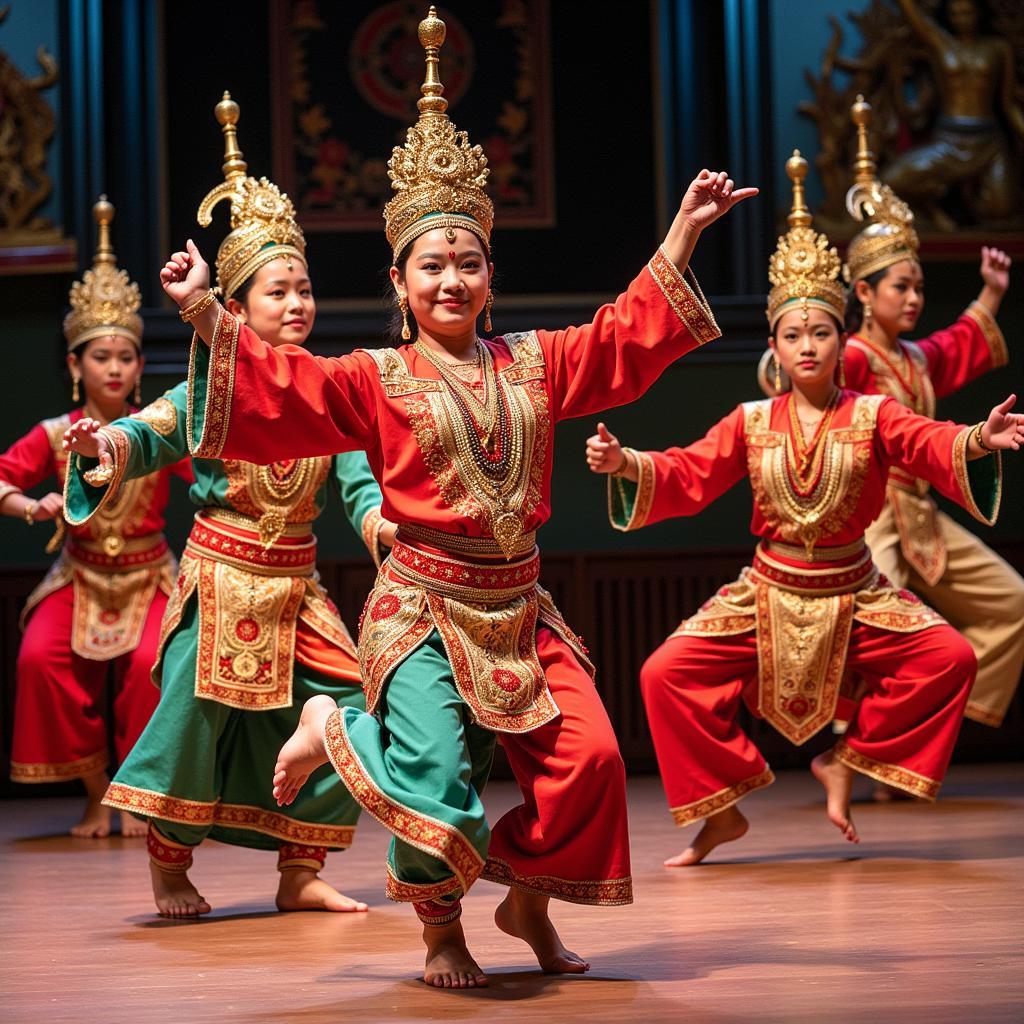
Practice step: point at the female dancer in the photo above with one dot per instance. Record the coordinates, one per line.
(247, 603)
(103, 598)
(812, 602)
(913, 543)
(458, 643)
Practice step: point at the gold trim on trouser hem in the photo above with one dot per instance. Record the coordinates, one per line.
(687, 814)
(413, 892)
(31, 773)
(611, 892)
(891, 774)
(979, 713)
(244, 817)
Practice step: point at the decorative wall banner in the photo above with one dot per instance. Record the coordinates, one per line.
(347, 78)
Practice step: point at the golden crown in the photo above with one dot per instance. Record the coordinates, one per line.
(890, 237)
(804, 267)
(262, 216)
(438, 177)
(105, 301)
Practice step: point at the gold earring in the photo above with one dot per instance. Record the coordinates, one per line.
(778, 376)
(488, 327)
(403, 305)
(74, 388)
(869, 317)
(842, 372)
(138, 390)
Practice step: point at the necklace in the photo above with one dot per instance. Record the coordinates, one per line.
(806, 461)
(909, 384)
(489, 407)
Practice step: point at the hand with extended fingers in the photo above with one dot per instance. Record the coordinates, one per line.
(710, 195)
(1003, 430)
(83, 437)
(995, 269)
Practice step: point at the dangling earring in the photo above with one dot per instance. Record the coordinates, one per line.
(488, 327)
(869, 317)
(138, 390)
(74, 388)
(842, 372)
(778, 376)
(403, 305)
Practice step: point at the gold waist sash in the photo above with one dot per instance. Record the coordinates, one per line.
(487, 616)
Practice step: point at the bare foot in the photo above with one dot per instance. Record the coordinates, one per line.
(304, 889)
(525, 916)
(885, 794)
(449, 964)
(175, 895)
(95, 823)
(304, 750)
(132, 826)
(837, 778)
(723, 827)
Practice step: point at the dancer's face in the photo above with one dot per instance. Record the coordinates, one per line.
(109, 368)
(808, 350)
(279, 305)
(446, 282)
(898, 299)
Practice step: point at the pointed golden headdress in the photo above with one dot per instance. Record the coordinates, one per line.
(804, 268)
(437, 176)
(105, 301)
(890, 235)
(262, 217)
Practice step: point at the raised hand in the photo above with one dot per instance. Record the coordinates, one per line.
(1004, 430)
(710, 195)
(186, 276)
(995, 269)
(48, 507)
(82, 437)
(604, 453)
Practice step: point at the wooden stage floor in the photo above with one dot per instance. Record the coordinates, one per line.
(920, 923)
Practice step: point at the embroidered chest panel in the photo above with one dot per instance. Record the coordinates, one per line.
(285, 491)
(456, 460)
(907, 379)
(824, 509)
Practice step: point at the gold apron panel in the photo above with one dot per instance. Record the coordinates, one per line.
(920, 540)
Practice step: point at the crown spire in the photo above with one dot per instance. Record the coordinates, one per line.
(227, 113)
(103, 214)
(796, 169)
(864, 163)
(432, 33)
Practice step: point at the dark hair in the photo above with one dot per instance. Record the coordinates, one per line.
(241, 293)
(854, 307)
(831, 316)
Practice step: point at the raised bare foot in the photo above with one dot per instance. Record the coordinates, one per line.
(525, 916)
(837, 778)
(723, 827)
(885, 794)
(175, 895)
(132, 826)
(304, 889)
(304, 750)
(449, 964)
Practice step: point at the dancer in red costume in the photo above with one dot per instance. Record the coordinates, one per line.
(811, 603)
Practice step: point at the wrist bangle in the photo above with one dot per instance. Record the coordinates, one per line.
(627, 454)
(981, 441)
(29, 513)
(201, 305)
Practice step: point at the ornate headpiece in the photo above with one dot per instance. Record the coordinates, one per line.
(104, 302)
(262, 217)
(890, 237)
(438, 177)
(804, 268)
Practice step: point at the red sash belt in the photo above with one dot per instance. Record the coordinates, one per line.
(235, 544)
(136, 553)
(836, 571)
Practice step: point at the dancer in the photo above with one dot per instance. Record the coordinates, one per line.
(458, 643)
(249, 634)
(914, 543)
(101, 602)
(812, 602)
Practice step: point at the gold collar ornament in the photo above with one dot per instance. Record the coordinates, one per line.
(263, 226)
(890, 235)
(804, 269)
(105, 301)
(438, 177)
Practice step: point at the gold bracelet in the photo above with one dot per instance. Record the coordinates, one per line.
(29, 512)
(201, 305)
(981, 441)
(627, 455)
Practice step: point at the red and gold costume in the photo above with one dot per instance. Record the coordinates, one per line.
(914, 543)
(811, 603)
(103, 598)
(458, 642)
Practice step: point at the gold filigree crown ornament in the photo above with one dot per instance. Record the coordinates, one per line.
(804, 269)
(105, 301)
(437, 176)
(263, 226)
(890, 235)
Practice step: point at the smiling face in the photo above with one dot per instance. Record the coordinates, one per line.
(108, 367)
(446, 282)
(898, 299)
(808, 350)
(279, 304)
